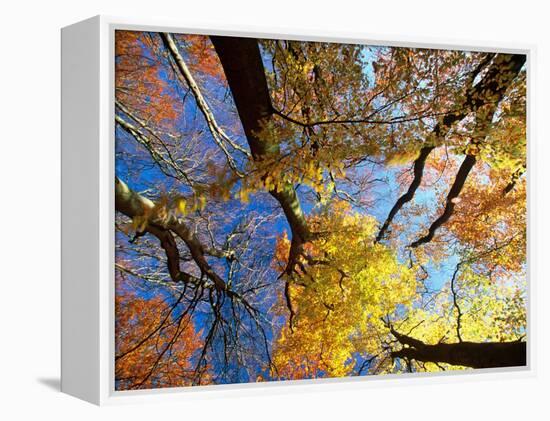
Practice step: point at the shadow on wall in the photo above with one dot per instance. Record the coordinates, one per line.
(53, 383)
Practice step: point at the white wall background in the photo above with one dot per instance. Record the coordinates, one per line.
(29, 207)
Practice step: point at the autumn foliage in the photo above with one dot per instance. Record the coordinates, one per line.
(154, 344)
(297, 210)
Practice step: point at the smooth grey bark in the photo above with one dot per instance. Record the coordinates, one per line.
(134, 205)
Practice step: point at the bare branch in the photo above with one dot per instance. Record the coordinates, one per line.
(219, 135)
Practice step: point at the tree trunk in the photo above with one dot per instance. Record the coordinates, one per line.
(469, 354)
(244, 71)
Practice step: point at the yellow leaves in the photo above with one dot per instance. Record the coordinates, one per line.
(303, 161)
(492, 311)
(166, 210)
(269, 183)
(471, 149)
(201, 202)
(430, 326)
(505, 146)
(182, 205)
(313, 173)
(307, 68)
(338, 301)
(139, 223)
(489, 312)
(242, 195)
(399, 158)
(343, 304)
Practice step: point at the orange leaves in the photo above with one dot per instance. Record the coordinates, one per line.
(492, 224)
(139, 81)
(154, 343)
(203, 58)
(282, 249)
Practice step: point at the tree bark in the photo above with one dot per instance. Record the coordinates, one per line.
(133, 204)
(469, 354)
(219, 135)
(244, 71)
(419, 164)
(484, 100)
(456, 188)
(489, 90)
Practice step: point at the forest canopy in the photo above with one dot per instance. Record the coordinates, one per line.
(297, 210)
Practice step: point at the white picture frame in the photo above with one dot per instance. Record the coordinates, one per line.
(88, 213)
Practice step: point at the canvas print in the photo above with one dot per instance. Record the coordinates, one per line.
(301, 210)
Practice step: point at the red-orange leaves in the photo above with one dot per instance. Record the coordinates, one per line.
(202, 57)
(154, 343)
(140, 83)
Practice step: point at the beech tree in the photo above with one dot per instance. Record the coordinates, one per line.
(291, 210)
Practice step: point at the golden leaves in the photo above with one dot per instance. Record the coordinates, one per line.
(347, 285)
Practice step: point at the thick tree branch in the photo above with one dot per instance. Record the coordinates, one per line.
(218, 134)
(134, 205)
(488, 91)
(456, 188)
(484, 100)
(469, 354)
(513, 180)
(168, 244)
(408, 196)
(244, 71)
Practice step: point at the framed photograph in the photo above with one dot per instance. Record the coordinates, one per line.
(248, 210)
